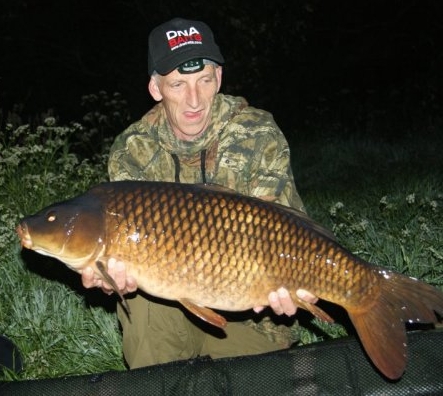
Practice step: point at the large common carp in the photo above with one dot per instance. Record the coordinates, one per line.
(209, 247)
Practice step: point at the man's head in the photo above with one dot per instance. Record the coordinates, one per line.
(184, 64)
(183, 44)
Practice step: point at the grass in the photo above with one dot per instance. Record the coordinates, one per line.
(57, 333)
(382, 199)
(43, 307)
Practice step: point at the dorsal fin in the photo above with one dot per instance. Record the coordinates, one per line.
(308, 221)
(217, 188)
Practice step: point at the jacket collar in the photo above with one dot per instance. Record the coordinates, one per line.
(224, 108)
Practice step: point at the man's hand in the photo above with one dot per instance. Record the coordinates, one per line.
(117, 271)
(281, 302)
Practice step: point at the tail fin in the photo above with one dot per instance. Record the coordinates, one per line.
(381, 328)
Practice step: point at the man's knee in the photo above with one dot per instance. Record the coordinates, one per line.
(157, 333)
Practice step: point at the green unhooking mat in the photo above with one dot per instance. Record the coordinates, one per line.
(337, 367)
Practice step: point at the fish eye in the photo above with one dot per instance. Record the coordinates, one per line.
(51, 216)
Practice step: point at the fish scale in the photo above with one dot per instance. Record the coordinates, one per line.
(209, 247)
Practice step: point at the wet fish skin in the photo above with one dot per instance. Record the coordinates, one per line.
(212, 248)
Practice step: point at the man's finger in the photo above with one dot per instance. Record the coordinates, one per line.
(131, 284)
(258, 309)
(287, 305)
(88, 277)
(274, 303)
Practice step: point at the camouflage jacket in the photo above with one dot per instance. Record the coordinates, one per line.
(242, 148)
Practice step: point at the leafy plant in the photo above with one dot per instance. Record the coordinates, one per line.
(40, 307)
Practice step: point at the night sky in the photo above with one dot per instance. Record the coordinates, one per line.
(340, 61)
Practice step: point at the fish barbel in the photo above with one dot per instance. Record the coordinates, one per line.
(209, 247)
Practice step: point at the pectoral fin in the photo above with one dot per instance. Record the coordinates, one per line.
(107, 278)
(204, 313)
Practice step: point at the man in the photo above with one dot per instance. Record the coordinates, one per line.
(196, 135)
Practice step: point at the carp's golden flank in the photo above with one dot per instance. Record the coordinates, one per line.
(212, 248)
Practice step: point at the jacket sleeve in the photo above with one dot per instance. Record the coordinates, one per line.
(272, 176)
(267, 161)
(125, 156)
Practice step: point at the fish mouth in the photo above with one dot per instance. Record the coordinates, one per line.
(25, 237)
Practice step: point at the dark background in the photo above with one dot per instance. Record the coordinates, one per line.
(322, 67)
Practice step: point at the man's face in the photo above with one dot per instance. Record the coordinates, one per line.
(187, 99)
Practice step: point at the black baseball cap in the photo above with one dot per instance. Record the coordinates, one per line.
(178, 41)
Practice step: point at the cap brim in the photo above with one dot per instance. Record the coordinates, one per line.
(169, 64)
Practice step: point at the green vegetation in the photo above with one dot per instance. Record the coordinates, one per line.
(59, 327)
(383, 200)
